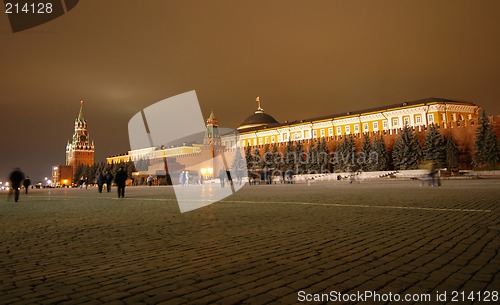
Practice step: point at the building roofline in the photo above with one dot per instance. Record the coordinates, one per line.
(423, 102)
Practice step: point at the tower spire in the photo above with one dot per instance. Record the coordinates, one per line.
(80, 114)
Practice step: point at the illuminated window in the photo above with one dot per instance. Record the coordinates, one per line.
(365, 127)
(375, 126)
(430, 118)
(418, 119)
(407, 121)
(322, 132)
(272, 139)
(330, 132)
(356, 128)
(254, 142)
(339, 131)
(306, 134)
(285, 137)
(347, 129)
(394, 122)
(385, 124)
(265, 140)
(315, 133)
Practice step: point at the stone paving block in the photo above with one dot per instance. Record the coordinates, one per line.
(255, 248)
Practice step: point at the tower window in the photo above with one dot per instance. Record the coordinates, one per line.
(330, 132)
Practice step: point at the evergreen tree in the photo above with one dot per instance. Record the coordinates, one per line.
(345, 155)
(364, 161)
(130, 168)
(78, 174)
(248, 156)
(323, 155)
(289, 157)
(452, 153)
(256, 162)
(434, 147)
(406, 153)
(267, 158)
(382, 161)
(300, 160)
(238, 166)
(486, 144)
(276, 157)
(312, 158)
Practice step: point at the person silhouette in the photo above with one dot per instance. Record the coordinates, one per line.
(222, 176)
(16, 177)
(26, 184)
(100, 182)
(109, 178)
(120, 180)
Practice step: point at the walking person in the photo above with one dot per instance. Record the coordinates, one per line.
(222, 177)
(16, 177)
(100, 182)
(182, 176)
(109, 178)
(150, 180)
(120, 180)
(26, 184)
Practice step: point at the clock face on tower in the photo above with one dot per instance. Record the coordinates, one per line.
(83, 138)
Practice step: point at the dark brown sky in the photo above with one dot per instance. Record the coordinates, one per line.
(303, 58)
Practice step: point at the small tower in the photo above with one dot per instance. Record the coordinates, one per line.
(212, 136)
(79, 150)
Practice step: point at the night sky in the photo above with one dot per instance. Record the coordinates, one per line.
(303, 58)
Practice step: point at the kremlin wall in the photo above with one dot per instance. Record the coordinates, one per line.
(260, 129)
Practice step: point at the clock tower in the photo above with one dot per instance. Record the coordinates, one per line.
(80, 151)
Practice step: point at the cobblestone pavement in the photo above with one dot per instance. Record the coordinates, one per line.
(263, 245)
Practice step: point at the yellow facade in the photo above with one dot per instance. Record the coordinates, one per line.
(413, 114)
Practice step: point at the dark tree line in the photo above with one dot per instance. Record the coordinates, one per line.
(486, 145)
(406, 153)
(102, 167)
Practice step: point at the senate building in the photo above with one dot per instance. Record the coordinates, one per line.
(261, 128)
